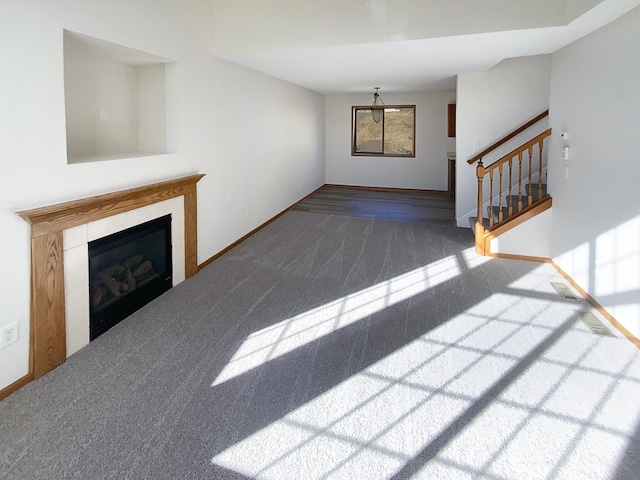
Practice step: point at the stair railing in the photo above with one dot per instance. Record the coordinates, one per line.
(528, 158)
(508, 137)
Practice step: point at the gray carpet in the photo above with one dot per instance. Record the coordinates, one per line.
(336, 347)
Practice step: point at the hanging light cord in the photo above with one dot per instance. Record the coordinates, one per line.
(376, 108)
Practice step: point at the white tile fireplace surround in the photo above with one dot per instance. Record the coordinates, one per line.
(76, 260)
(59, 258)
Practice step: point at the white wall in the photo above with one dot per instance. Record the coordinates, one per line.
(259, 141)
(152, 108)
(94, 83)
(265, 141)
(490, 105)
(596, 211)
(531, 238)
(428, 170)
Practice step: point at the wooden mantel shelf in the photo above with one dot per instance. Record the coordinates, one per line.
(48, 331)
(54, 218)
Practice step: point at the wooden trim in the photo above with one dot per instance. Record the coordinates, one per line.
(597, 306)
(479, 231)
(190, 233)
(255, 230)
(48, 335)
(302, 199)
(594, 303)
(383, 189)
(376, 154)
(508, 137)
(210, 260)
(58, 217)
(479, 239)
(484, 236)
(384, 155)
(47, 317)
(528, 258)
(545, 203)
(525, 146)
(15, 386)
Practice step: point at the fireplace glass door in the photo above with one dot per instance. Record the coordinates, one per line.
(126, 271)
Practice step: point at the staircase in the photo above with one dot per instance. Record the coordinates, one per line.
(514, 190)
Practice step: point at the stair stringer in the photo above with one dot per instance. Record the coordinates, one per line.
(527, 224)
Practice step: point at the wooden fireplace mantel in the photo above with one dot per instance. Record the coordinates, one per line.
(48, 331)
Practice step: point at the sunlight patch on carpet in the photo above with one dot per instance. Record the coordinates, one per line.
(415, 403)
(292, 333)
(472, 259)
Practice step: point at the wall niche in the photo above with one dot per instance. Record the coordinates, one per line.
(119, 102)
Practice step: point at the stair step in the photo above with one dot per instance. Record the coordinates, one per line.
(534, 189)
(474, 220)
(513, 200)
(495, 212)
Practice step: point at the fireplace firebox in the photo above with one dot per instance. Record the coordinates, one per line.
(126, 271)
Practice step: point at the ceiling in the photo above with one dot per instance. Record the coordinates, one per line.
(344, 46)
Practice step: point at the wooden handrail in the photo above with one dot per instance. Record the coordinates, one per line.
(508, 137)
(525, 146)
(521, 158)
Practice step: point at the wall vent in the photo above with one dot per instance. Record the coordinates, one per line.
(595, 325)
(563, 291)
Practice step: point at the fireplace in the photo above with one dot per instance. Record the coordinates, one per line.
(127, 270)
(59, 258)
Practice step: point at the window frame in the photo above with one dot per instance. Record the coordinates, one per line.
(354, 153)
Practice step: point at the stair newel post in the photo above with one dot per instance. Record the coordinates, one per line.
(530, 195)
(540, 146)
(509, 202)
(479, 222)
(519, 181)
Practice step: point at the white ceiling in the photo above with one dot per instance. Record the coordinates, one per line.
(342, 46)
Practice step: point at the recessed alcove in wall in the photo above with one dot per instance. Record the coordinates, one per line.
(119, 102)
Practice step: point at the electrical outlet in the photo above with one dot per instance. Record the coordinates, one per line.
(8, 334)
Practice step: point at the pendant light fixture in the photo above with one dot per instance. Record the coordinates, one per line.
(377, 107)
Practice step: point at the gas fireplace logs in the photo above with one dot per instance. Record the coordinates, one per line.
(120, 278)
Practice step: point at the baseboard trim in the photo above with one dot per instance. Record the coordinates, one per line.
(212, 259)
(527, 258)
(21, 382)
(629, 336)
(512, 222)
(15, 386)
(260, 227)
(384, 189)
(508, 256)
(18, 384)
(597, 306)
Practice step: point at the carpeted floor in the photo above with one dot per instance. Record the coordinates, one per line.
(325, 347)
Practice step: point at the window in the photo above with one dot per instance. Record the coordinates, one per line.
(393, 136)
